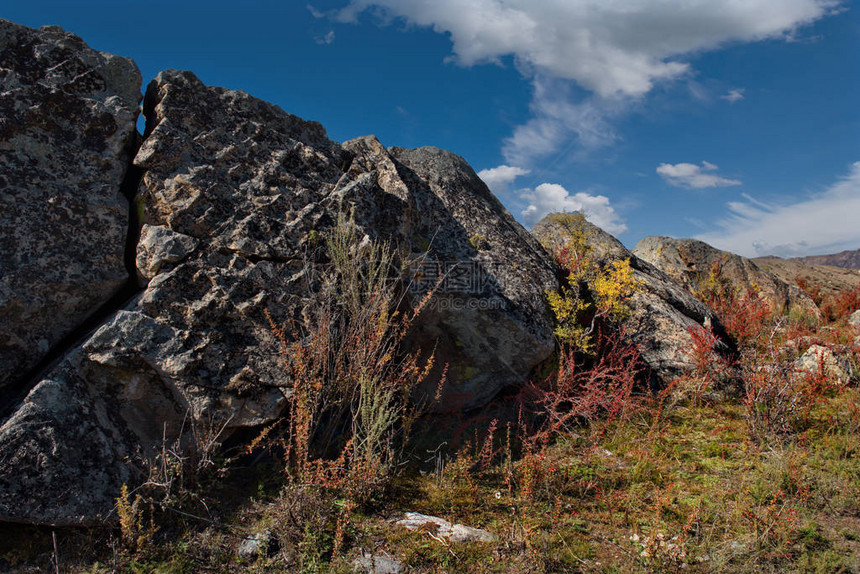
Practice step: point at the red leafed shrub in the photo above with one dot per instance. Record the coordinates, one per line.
(709, 366)
(702, 351)
(577, 393)
(811, 288)
(745, 315)
(841, 304)
(833, 305)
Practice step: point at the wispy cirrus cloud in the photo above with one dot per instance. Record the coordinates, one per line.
(820, 223)
(733, 96)
(557, 117)
(692, 176)
(325, 39)
(315, 12)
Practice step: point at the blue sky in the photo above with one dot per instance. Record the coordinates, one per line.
(735, 122)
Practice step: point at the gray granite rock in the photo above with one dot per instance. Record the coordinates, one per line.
(255, 545)
(854, 320)
(244, 178)
(690, 261)
(441, 528)
(494, 329)
(373, 564)
(64, 453)
(160, 248)
(235, 195)
(663, 311)
(67, 124)
(819, 360)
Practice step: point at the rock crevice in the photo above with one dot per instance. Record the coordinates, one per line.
(67, 136)
(226, 196)
(138, 272)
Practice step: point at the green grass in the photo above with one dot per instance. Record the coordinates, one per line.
(687, 491)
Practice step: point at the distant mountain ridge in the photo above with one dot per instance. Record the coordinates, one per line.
(847, 259)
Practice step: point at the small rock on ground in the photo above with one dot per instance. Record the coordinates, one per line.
(255, 545)
(373, 564)
(445, 529)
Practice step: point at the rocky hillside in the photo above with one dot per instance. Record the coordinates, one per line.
(142, 273)
(691, 262)
(830, 279)
(173, 310)
(846, 259)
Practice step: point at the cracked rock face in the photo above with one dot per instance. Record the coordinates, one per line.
(663, 311)
(63, 452)
(67, 120)
(233, 194)
(690, 261)
(159, 247)
(251, 185)
(508, 331)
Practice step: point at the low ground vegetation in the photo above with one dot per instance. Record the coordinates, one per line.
(585, 470)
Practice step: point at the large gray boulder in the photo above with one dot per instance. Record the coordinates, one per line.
(253, 185)
(234, 196)
(495, 327)
(67, 124)
(690, 261)
(663, 312)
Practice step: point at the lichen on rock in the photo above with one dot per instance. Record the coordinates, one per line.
(67, 127)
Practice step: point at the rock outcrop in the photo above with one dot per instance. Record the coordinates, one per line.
(836, 364)
(67, 127)
(233, 195)
(663, 311)
(690, 261)
(489, 321)
(253, 185)
(830, 280)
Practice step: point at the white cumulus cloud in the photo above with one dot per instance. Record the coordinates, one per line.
(551, 197)
(827, 222)
(615, 50)
(608, 46)
(498, 178)
(535, 203)
(693, 176)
